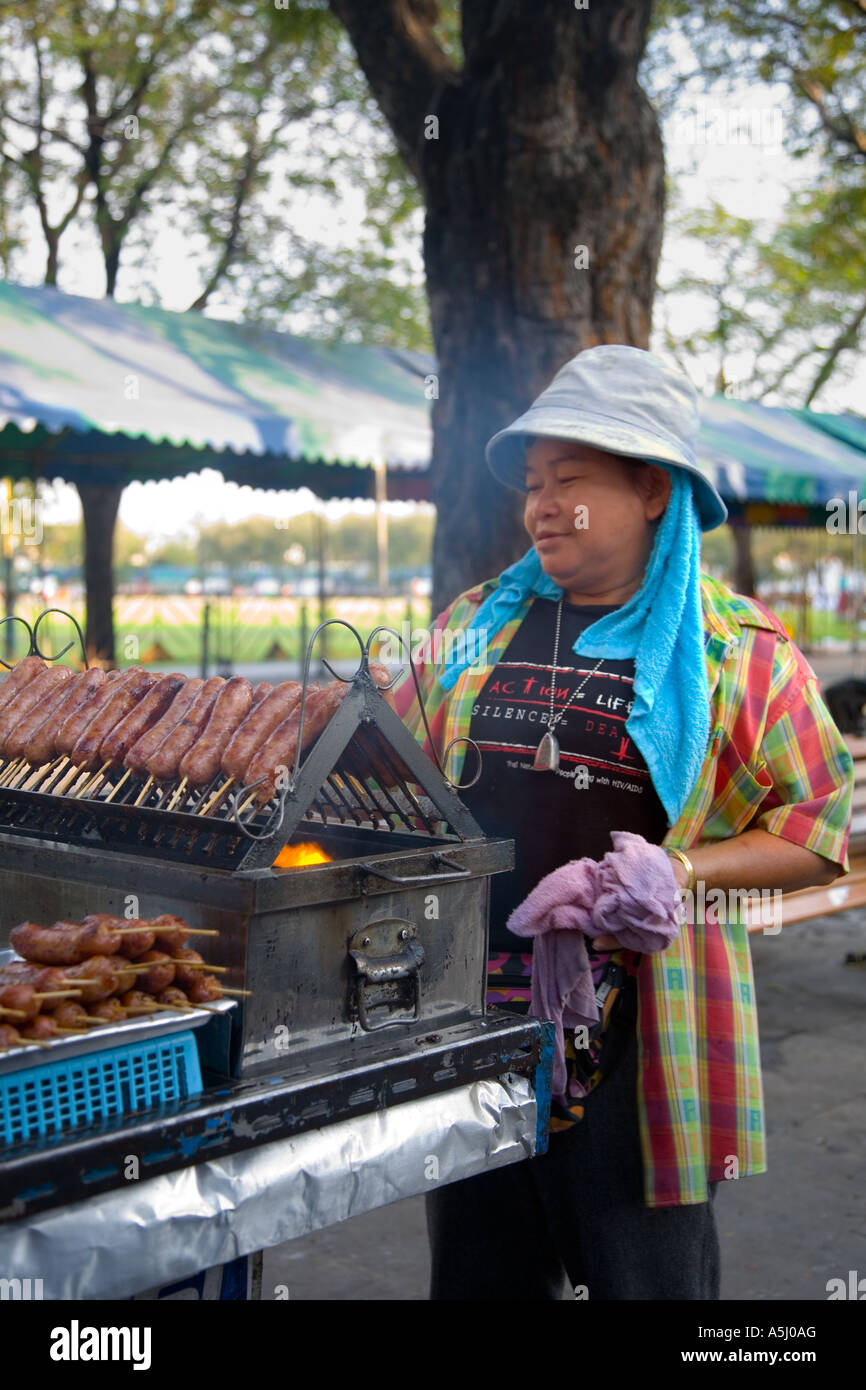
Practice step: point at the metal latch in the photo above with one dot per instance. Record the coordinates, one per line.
(384, 987)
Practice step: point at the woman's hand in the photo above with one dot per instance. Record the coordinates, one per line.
(610, 943)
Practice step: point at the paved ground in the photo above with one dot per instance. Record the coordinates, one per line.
(783, 1234)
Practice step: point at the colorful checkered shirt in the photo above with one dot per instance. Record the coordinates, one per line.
(776, 761)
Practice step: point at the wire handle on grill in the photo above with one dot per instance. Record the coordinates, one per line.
(455, 786)
(242, 799)
(33, 634)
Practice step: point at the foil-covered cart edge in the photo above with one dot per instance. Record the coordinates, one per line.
(152, 1232)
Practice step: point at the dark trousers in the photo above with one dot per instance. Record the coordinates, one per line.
(576, 1211)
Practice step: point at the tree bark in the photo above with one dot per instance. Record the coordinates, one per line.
(99, 502)
(545, 144)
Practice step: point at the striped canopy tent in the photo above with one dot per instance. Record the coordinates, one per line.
(92, 391)
(777, 467)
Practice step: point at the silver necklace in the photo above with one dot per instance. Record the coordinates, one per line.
(547, 752)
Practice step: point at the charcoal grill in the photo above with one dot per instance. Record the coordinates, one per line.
(367, 974)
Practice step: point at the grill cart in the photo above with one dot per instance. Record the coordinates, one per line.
(358, 1065)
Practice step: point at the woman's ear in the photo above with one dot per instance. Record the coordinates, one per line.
(657, 487)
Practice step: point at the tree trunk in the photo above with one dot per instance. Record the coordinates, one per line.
(542, 167)
(744, 569)
(99, 503)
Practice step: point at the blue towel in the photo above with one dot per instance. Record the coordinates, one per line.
(660, 628)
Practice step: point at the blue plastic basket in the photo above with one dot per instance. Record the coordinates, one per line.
(53, 1097)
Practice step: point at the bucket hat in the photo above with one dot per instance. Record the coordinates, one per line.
(621, 399)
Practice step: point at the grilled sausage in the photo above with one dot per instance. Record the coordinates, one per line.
(9, 1037)
(139, 755)
(258, 726)
(57, 945)
(281, 748)
(261, 692)
(159, 976)
(21, 674)
(109, 1010)
(135, 1001)
(102, 973)
(43, 1026)
(41, 745)
(132, 943)
(124, 695)
(33, 693)
(95, 695)
(163, 764)
(144, 713)
(21, 998)
(204, 990)
(61, 678)
(202, 763)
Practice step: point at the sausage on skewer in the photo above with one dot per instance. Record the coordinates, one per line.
(281, 749)
(96, 690)
(61, 682)
(21, 674)
(134, 936)
(164, 763)
(124, 695)
(259, 724)
(41, 746)
(159, 976)
(143, 749)
(142, 715)
(202, 763)
(33, 693)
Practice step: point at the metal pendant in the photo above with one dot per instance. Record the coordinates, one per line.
(546, 754)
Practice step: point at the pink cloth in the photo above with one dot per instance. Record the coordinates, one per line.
(631, 894)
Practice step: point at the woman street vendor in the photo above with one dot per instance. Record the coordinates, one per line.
(646, 736)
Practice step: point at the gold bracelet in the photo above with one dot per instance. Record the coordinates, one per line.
(689, 867)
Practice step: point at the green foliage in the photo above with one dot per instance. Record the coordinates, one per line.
(792, 300)
(220, 120)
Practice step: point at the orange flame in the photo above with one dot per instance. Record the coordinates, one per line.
(299, 856)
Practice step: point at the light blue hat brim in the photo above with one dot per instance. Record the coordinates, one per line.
(506, 454)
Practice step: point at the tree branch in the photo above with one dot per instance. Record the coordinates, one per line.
(846, 340)
(402, 61)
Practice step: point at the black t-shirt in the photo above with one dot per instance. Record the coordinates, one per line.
(556, 816)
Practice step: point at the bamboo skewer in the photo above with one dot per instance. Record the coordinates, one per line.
(116, 788)
(177, 795)
(215, 800)
(226, 990)
(58, 994)
(68, 779)
(56, 773)
(21, 775)
(12, 1013)
(200, 965)
(9, 771)
(94, 782)
(144, 791)
(34, 779)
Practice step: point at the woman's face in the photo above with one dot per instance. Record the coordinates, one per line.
(590, 515)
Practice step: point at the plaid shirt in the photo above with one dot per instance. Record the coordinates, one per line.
(775, 761)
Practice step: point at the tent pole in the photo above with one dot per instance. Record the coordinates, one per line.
(320, 544)
(8, 569)
(382, 527)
